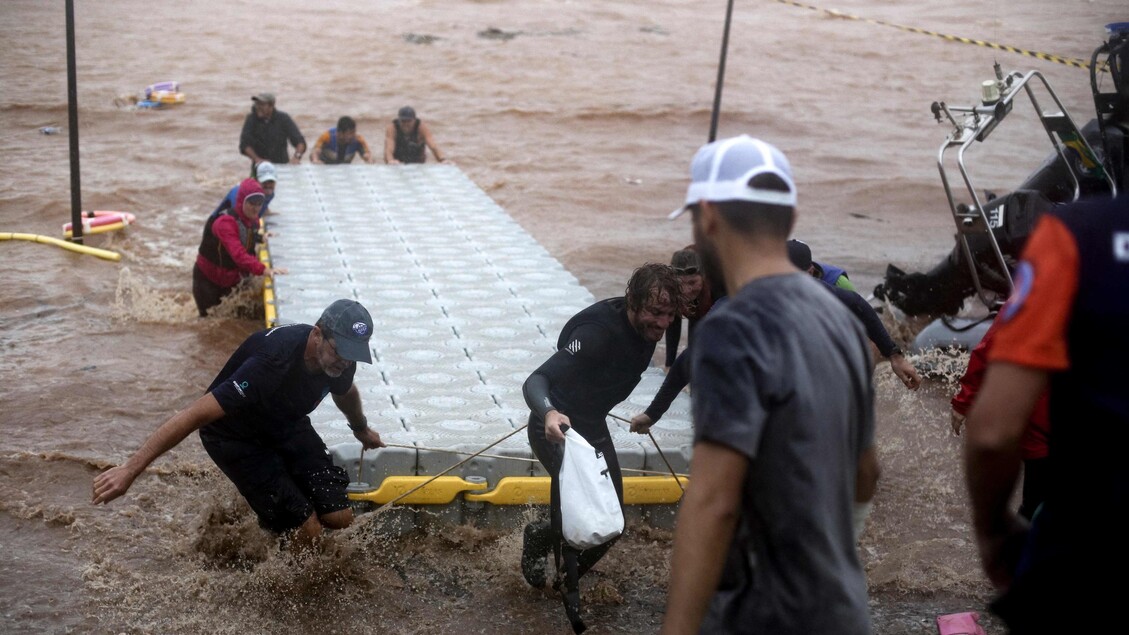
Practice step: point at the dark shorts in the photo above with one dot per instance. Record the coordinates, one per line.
(206, 293)
(283, 484)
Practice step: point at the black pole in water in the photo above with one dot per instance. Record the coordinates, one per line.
(720, 74)
(72, 122)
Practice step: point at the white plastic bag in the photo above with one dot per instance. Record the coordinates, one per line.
(590, 511)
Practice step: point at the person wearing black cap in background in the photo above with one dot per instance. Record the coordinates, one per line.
(800, 254)
(266, 131)
(406, 140)
(254, 423)
(678, 371)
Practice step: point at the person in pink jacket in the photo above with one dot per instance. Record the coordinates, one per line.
(227, 248)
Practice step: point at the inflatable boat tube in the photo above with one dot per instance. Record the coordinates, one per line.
(162, 87)
(959, 333)
(98, 222)
(165, 97)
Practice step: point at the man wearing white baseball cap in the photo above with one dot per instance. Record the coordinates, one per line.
(267, 176)
(783, 421)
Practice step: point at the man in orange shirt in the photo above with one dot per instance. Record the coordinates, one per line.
(1065, 325)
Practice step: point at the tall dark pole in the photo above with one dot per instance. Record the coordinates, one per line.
(720, 74)
(72, 122)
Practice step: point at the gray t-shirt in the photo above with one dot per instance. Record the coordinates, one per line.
(781, 374)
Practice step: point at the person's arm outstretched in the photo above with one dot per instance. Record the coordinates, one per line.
(226, 230)
(425, 132)
(877, 333)
(992, 462)
(294, 135)
(364, 150)
(322, 140)
(390, 144)
(350, 405)
(116, 481)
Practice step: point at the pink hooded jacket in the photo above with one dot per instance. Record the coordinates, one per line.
(238, 245)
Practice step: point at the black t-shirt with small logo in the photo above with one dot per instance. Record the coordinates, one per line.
(265, 390)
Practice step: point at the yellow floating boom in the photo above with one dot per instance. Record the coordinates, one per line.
(512, 490)
(104, 254)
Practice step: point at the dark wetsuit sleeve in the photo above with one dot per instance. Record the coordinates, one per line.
(536, 392)
(875, 330)
(675, 381)
(673, 336)
(589, 345)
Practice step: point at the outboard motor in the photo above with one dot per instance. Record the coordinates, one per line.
(1113, 106)
(1090, 161)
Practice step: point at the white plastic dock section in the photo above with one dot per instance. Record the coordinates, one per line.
(466, 304)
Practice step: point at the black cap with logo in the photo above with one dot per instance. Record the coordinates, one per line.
(351, 327)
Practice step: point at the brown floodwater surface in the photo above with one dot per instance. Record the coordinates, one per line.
(579, 118)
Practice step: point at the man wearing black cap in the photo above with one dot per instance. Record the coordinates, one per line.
(266, 132)
(800, 254)
(406, 140)
(254, 423)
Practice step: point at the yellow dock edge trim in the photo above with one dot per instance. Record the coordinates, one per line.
(441, 491)
(652, 490)
(104, 254)
(270, 315)
(513, 490)
(516, 490)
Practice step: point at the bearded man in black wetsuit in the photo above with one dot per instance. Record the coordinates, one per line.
(601, 355)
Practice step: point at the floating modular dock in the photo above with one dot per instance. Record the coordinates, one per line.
(466, 304)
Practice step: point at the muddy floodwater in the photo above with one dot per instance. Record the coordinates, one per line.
(578, 118)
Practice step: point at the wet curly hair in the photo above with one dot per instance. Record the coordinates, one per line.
(650, 281)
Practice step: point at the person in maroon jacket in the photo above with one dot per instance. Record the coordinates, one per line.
(1033, 446)
(227, 248)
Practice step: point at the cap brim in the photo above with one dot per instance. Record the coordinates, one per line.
(353, 350)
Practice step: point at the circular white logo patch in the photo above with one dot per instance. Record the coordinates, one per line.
(360, 328)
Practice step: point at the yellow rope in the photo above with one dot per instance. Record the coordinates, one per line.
(1058, 59)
